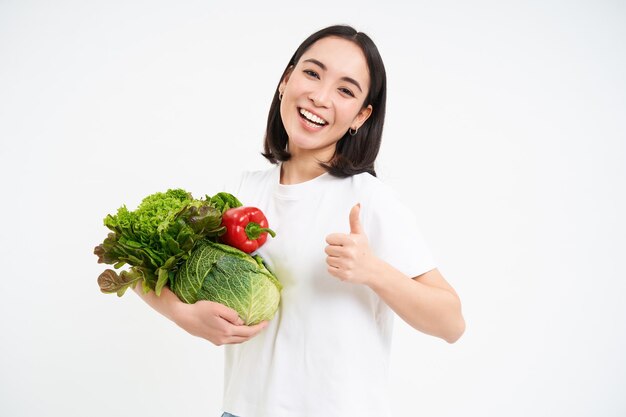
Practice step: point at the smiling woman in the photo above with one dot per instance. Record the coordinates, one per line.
(326, 351)
(338, 76)
(322, 94)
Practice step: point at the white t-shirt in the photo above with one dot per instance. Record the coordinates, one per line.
(326, 351)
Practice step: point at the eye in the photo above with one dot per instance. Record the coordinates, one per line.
(311, 73)
(346, 91)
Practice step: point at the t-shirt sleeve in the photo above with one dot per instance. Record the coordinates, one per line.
(232, 184)
(395, 237)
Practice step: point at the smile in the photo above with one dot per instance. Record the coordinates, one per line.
(310, 117)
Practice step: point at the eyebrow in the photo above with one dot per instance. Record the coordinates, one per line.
(347, 79)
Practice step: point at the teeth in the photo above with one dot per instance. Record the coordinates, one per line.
(312, 117)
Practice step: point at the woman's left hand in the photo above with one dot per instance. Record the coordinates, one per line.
(349, 255)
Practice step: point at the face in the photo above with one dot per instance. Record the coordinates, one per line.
(323, 97)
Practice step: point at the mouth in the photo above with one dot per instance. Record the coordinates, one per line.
(310, 119)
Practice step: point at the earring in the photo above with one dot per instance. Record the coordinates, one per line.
(280, 96)
(352, 132)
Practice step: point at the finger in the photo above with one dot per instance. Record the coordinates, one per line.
(334, 261)
(334, 250)
(249, 331)
(230, 315)
(219, 310)
(336, 272)
(355, 223)
(233, 340)
(339, 239)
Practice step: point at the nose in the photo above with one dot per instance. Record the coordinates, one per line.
(320, 96)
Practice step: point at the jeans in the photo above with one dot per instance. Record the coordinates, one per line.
(228, 415)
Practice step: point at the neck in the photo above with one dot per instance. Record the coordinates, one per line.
(297, 171)
(304, 164)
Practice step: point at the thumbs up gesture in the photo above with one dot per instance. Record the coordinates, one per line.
(349, 255)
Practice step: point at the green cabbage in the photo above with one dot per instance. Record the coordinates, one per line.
(228, 276)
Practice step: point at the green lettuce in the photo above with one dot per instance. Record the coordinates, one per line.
(157, 237)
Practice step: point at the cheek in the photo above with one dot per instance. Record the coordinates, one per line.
(346, 114)
(284, 112)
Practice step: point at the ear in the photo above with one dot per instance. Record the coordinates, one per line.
(362, 116)
(283, 83)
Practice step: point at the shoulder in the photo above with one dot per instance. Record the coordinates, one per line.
(376, 192)
(380, 203)
(259, 175)
(252, 185)
(392, 227)
(247, 179)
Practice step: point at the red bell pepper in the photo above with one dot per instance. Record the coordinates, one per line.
(246, 228)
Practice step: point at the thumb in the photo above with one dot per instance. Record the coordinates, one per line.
(355, 223)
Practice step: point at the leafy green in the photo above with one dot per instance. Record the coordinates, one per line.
(224, 201)
(226, 275)
(157, 237)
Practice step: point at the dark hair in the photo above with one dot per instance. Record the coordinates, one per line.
(353, 154)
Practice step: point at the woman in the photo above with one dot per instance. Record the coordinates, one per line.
(347, 251)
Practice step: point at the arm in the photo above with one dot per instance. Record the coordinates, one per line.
(427, 302)
(211, 321)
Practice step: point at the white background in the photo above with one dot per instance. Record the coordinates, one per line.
(505, 134)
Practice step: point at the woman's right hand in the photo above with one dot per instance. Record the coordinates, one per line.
(212, 321)
(215, 322)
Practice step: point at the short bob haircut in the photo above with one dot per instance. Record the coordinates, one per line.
(353, 154)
